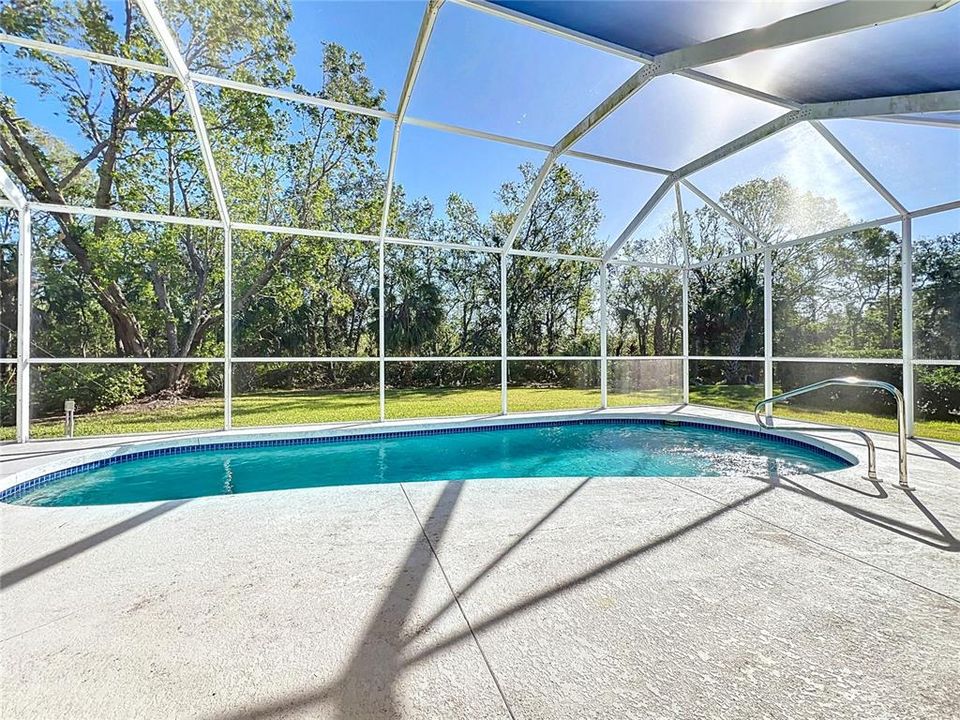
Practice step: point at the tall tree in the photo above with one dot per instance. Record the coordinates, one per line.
(126, 141)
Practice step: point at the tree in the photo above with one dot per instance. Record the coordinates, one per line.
(646, 309)
(131, 145)
(936, 300)
(551, 304)
(726, 298)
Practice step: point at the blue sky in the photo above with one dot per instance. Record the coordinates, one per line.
(674, 120)
(505, 78)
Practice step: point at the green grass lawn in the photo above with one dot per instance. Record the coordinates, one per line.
(306, 407)
(662, 396)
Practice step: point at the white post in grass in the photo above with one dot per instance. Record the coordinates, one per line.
(685, 333)
(13, 193)
(413, 70)
(906, 320)
(768, 331)
(604, 277)
(181, 71)
(24, 264)
(227, 327)
(685, 286)
(504, 259)
(382, 351)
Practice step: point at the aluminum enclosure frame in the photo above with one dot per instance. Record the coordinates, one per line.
(830, 20)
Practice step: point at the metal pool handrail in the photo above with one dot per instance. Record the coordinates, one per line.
(871, 448)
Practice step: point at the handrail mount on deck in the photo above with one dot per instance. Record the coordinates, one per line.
(871, 448)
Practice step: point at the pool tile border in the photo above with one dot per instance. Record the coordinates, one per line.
(20, 489)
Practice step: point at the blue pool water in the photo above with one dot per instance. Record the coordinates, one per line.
(557, 450)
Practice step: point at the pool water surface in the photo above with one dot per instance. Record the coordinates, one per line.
(560, 449)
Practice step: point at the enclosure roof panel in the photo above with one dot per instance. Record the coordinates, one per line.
(488, 74)
(909, 56)
(658, 27)
(914, 55)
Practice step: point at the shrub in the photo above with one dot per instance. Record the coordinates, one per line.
(938, 392)
(94, 387)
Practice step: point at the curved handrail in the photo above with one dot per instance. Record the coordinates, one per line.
(871, 448)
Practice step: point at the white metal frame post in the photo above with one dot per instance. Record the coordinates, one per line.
(179, 66)
(413, 70)
(504, 371)
(24, 263)
(685, 333)
(685, 293)
(906, 320)
(227, 327)
(604, 280)
(381, 340)
(768, 331)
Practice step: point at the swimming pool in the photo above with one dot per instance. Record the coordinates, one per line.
(638, 447)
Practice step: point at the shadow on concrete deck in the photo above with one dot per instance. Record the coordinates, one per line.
(940, 538)
(45, 562)
(369, 662)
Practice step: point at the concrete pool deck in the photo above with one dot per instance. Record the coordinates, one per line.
(808, 596)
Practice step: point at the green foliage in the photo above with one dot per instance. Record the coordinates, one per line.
(412, 297)
(839, 297)
(773, 210)
(936, 299)
(253, 378)
(318, 299)
(874, 401)
(441, 302)
(8, 395)
(244, 40)
(85, 23)
(9, 261)
(94, 387)
(938, 392)
(645, 314)
(726, 308)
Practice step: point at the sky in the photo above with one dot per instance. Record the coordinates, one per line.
(506, 78)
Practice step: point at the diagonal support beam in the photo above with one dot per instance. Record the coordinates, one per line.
(613, 101)
(923, 102)
(11, 191)
(719, 210)
(858, 166)
(823, 22)
(180, 69)
(416, 60)
(638, 219)
(419, 52)
(532, 194)
(179, 65)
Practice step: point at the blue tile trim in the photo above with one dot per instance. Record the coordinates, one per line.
(22, 488)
